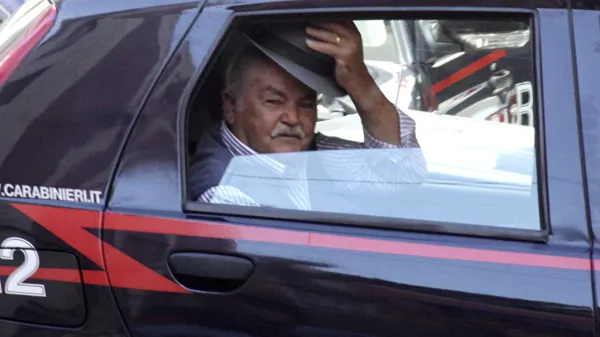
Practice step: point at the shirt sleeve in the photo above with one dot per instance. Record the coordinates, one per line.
(408, 136)
(227, 195)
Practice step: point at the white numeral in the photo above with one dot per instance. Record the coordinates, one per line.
(15, 284)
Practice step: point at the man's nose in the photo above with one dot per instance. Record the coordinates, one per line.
(290, 116)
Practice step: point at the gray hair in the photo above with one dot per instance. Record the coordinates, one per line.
(237, 67)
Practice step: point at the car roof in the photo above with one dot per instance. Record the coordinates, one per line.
(267, 5)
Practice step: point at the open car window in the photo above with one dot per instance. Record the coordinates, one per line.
(469, 88)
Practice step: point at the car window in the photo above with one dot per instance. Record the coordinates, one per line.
(464, 93)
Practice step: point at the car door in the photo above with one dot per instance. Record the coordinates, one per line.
(42, 280)
(454, 265)
(586, 36)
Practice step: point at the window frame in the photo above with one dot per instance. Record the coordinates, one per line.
(194, 208)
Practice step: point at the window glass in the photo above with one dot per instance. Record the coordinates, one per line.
(459, 149)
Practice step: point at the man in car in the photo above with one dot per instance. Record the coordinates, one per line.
(270, 107)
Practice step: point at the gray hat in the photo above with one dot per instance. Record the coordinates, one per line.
(286, 45)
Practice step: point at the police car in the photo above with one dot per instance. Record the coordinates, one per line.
(102, 103)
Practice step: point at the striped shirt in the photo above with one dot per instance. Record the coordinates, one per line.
(398, 167)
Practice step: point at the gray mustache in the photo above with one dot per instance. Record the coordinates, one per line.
(287, 131)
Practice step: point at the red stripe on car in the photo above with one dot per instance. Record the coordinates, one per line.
(70, 226)
(122, 271)
(145, 224)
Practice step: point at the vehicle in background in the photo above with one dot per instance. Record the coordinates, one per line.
(421, 72)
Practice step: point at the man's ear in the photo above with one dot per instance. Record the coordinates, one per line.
(229, 106)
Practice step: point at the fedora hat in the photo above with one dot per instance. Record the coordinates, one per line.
(285, 44)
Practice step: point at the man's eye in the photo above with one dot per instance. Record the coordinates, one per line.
(273, 102)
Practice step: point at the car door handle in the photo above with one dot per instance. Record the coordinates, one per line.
(210, 272)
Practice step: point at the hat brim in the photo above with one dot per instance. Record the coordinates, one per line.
(321, 84)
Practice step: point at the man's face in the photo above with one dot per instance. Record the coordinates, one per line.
(277, 113)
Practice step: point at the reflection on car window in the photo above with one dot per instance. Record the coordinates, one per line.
(434, 120)
(474, 186)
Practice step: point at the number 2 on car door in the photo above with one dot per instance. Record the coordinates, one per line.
(15, 284)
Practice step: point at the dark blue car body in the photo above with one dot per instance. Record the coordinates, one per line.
(96, 105)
